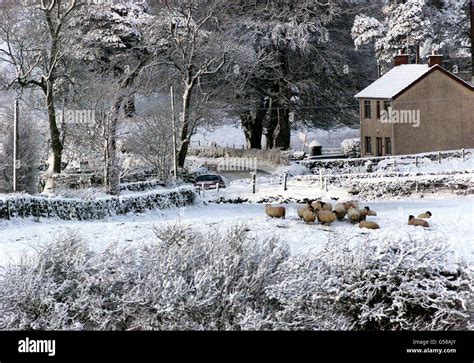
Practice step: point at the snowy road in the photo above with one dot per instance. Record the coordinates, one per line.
(452, 221)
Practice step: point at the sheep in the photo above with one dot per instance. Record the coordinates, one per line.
(351, 203)
(353, 215)
(412, 221)
(340, 211)
(425, 215)
(369, 225)
(364, 212)
(275, 212)
(309, 215)
(372, 213)
(325, 217)
(320, 205)
(303, 209)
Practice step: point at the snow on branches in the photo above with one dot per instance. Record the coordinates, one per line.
(184, 279)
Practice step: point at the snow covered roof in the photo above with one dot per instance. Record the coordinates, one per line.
(314, 143)
(394, 81)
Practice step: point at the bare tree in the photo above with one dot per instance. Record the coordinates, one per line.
(193, 56)
(150, 140)
(35, 38)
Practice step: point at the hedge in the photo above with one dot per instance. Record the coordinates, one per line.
(24, 205)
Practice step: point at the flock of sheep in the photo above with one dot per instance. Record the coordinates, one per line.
(326, 214)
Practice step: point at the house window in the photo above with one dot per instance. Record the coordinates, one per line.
(378, 110)
(388, 146)
(386, 105)
(368, 145)
(367, 110)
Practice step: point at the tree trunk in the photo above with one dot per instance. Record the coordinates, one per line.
(129, 107)
(112, 168)
(184, 132)
(56, 144)
(112, 172)
(252, 123)
(282, 132)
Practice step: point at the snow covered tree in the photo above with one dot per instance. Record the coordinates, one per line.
(150, 141)
(36, 45)
(194, 53)
(282, 33)
(118, 41)
(416, 26)
(28, 153)
(299, 56)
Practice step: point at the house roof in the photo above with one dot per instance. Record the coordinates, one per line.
(394, 81)
(401, 78)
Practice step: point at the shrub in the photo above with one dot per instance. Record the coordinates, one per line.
(397, 285)
(190, 280)
(351, 148)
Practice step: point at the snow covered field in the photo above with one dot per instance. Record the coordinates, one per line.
(452, 222)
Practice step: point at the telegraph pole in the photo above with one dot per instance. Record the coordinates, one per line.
(471, 11)
(15, 144)
(173, 122)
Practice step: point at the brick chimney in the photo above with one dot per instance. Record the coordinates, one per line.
(434, 59)
(400, 59)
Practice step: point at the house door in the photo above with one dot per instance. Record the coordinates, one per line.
(379, 146)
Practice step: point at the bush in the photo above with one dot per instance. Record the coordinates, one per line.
(190, 280)
(351, 148)
(397, 285)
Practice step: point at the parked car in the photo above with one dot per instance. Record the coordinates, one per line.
(209, 181)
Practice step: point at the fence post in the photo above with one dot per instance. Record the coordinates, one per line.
(416, 186)
(285, 179)
(439, 157)
(217, 186)
(320, 178)
(326, 183)
(462, 154)
(202, 188)
(416, 160)
(254, 182)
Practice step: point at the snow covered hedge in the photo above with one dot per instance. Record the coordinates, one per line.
(392, 187)
(357, 165)
(142, 185)
(23, 205)
(191, 280)
(351, 147)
